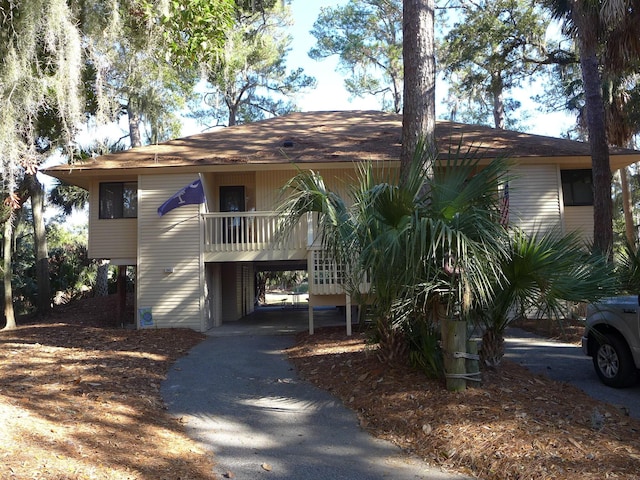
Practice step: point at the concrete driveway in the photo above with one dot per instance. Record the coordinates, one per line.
(242, 399)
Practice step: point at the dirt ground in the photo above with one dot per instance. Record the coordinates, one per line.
(79, 400)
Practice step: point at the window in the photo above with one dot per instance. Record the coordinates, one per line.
(118, 200)
(577, 187)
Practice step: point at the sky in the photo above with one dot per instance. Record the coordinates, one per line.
(330, 93)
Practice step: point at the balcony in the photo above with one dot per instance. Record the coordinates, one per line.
(252, 236)
(255, 236)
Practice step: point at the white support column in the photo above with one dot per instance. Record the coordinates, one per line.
(310, 272)
(348, 308)
(310, 233)
(310, 319)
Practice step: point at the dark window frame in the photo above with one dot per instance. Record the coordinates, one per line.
(577, 187)
(118, 200)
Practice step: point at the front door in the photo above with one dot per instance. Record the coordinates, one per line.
(232, 200)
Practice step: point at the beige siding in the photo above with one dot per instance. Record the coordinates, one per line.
(270, 182)
(170, 276)
(116, 238)
(238, 290)
(213, 182)
(268, 185)
(249, 289)
(534, 200)
(579, 219)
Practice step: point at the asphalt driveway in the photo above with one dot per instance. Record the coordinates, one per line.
(241, 398)
(565, 362)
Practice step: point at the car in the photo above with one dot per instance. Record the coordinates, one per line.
(612, 339)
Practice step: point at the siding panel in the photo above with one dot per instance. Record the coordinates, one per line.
(172, 241)
(579, 219)
(534, 201)
(269, 183)
(110, 238)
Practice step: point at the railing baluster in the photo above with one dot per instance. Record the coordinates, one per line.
(249, 232)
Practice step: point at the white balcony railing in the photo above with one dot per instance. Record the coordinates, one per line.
(250, 232)
(250, 236)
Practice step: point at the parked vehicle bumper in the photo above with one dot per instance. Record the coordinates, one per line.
(585, 343)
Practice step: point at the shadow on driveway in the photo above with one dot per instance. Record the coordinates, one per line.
(241, 398)
(565, 362)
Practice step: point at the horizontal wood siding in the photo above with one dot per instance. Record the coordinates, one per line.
(115, 238)
(579, 219)
(170, 242)
(534, 201)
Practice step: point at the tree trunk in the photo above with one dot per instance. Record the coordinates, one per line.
(601, 169)
(102, 279)
(122, 295)
(498, 102)
(261, 287)
(393, 348)
(418, 50)
(134, 125)
(492, 348)
(233, 114)
(397, 95)
(43, 302)
(9, 315)
(627, 208)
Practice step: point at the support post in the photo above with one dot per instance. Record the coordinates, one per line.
(454, 342)
(122, 294)
(348, 314)
(472, 363)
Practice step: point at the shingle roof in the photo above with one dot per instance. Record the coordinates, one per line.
(336, 136)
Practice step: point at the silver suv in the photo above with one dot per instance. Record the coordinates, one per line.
(612, 339)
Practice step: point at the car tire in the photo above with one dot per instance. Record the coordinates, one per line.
(613, 361)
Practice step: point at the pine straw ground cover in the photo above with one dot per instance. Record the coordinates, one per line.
(515, 425)
(81, 401)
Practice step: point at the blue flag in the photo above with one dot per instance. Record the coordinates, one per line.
(191, 194)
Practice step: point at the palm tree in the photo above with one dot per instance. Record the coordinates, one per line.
(435, 244)
(441, 252)
(540, 272)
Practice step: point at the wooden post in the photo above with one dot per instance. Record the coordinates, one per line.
(454, 342)
(348, 314)
(473, 361)
(122, 294)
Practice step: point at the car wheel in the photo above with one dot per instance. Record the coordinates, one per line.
(613, 361)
